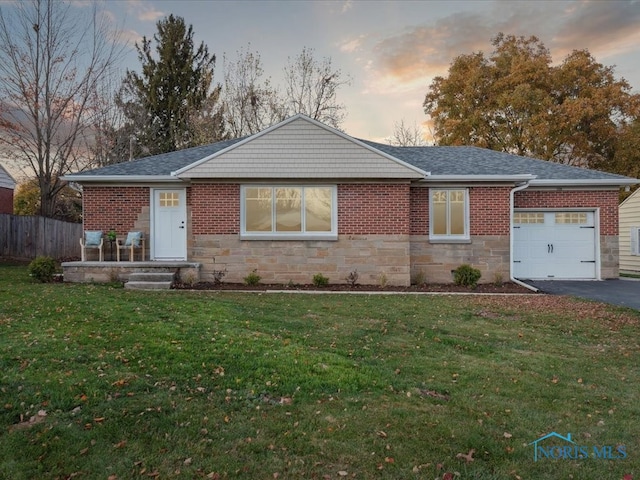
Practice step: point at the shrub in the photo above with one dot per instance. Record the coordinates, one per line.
(320, 280)
(466, 275)
(352, 278)
(218, 276)
(253, 278)
(43, 269)
(420, 278)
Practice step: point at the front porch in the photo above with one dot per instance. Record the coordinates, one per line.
(104, 272)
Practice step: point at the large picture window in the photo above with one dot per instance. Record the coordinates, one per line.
(289, 211)
(449, 214)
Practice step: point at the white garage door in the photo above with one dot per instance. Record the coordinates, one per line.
(554, 245)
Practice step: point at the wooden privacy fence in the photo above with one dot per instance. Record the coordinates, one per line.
(29, 237)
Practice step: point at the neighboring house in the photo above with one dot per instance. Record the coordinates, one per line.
(301, 198)
(7, 186)
(629, 212)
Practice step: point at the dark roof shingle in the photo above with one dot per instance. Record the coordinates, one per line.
(467, 161)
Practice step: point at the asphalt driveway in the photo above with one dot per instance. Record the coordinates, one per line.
(623, 292)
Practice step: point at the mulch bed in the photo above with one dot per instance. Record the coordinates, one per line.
(506, 287)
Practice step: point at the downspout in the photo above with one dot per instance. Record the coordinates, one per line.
(511, 209)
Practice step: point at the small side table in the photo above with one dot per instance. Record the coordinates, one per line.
(111, 243)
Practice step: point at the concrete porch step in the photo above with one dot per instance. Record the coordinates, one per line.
(150, 281)
(148, 285)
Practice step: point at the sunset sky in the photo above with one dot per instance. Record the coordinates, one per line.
(391, 50)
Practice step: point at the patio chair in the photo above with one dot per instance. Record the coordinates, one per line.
(92, 239)
(134, 240)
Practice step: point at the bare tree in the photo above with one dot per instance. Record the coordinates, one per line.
(407, 135)
(250, 103)
(312, 88)
(53, 56)
(110, 139)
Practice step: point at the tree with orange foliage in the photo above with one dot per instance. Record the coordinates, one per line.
(517, 101)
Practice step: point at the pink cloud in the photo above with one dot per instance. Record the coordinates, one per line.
(144, 10)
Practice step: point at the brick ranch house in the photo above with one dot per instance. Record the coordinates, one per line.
(301, 198)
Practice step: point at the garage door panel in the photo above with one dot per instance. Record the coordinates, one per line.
(557, 245)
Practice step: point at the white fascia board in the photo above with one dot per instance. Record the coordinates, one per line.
(480, 178)
(419, 171)
(609, 182)
(121, 178)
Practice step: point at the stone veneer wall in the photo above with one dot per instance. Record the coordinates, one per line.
(377, 258)
(433, 262)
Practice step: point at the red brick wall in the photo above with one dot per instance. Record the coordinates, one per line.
(419, 211)
(489, 210)
(215, 208)
(606, 200)
(6, 200)
(106, 208)
(378, 209)
(362, 208)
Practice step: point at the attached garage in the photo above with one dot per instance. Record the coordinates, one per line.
(555, 245)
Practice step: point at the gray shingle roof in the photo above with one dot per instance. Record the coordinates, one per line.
(481, 161)
(439, 161)
(160, 165)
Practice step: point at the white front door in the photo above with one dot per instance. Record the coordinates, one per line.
(169, 224)
(554, 245)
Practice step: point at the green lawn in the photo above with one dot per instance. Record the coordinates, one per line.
(221, 385)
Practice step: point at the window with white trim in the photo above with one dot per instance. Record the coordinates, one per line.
(448, 214)
(289, 212)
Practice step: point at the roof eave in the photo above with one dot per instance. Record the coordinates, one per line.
(122, 179)
(480, 178)
(607, 182)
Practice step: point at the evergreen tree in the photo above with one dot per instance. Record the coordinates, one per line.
(166, 104)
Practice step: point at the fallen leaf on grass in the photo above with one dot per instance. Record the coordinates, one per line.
(468, 457)
(434, 394)
(34, 420)
(120, 444)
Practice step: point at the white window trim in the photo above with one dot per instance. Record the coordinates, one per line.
(332, 235)
(464, 238)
